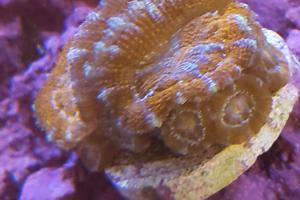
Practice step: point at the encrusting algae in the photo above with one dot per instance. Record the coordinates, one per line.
(183, 75)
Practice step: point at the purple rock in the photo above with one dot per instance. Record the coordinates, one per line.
(32, 33)
(8, 187)
(293, 15)
(293, 41)
(271, 13)
(49, 184)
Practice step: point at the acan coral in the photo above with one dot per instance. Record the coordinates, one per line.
(185, 75)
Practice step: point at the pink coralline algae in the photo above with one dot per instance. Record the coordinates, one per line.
(58, 184)
(32, 33)
(293, 41)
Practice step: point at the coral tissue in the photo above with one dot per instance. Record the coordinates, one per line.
(181, 75)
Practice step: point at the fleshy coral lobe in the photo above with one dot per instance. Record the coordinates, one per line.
(187, 74)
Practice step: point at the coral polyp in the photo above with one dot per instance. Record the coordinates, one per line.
(187, 74)
(240, 111)
(186, 129)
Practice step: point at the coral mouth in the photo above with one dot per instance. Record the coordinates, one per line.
(185, 129)
(238, 109)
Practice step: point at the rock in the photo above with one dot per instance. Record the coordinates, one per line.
(22, 154)
(49, 184)
(293, 15)
(32, 33)
(293, 41)
(8, 188)
(271, 13)
(30, 39)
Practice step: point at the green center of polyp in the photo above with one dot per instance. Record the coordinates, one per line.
(188, 126)
(238, 109)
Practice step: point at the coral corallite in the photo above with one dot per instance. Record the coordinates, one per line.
(187, 74)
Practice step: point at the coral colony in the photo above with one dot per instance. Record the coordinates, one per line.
(147, 79)
(136, 72)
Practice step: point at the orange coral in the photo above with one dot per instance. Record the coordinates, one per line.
(175, 71)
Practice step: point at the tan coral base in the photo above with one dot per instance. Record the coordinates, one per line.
(199, 181)
(229, 164)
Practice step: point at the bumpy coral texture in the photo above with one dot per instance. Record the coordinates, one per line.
(188, 73)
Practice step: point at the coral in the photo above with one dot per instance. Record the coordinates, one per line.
(31, 36)
(172, 71)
